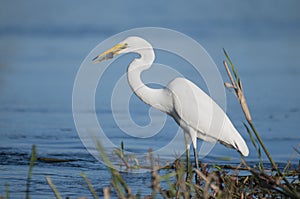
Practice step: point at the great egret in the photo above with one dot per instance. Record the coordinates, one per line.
(191, 108)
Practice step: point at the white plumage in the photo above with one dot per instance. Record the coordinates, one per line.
(192, 109)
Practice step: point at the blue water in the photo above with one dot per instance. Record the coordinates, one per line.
(43, 44)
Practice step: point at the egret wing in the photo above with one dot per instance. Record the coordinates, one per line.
(193, 108)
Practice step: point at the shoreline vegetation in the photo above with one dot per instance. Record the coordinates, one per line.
(213, 181)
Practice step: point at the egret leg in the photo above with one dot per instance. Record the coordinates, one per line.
(194, 141)
(188, 166)
(187, 157)
(197, 166)
(196, 158)
(193, 135)
(187, 153)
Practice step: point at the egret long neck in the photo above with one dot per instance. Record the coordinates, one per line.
(156, 98)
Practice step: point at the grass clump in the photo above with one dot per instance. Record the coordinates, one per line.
(225, 181)
(217, 181)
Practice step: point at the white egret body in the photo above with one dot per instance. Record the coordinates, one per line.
(196, 113)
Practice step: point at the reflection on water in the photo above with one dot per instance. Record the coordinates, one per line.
(43, 45)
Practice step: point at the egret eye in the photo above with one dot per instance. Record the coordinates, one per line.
(124, 46)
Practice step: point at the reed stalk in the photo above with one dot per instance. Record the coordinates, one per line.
(29, 175)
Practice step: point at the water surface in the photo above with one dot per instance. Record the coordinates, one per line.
(43, 45)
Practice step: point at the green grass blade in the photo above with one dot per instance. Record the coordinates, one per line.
(6, 191)
(167, 176)
(256, 146)
(117, 180)
(234, 70)
(32, 160)
(52, 186)
(90, 186)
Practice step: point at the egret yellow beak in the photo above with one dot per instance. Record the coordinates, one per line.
(109, 54)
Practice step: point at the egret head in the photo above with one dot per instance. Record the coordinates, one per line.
(130, 44)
